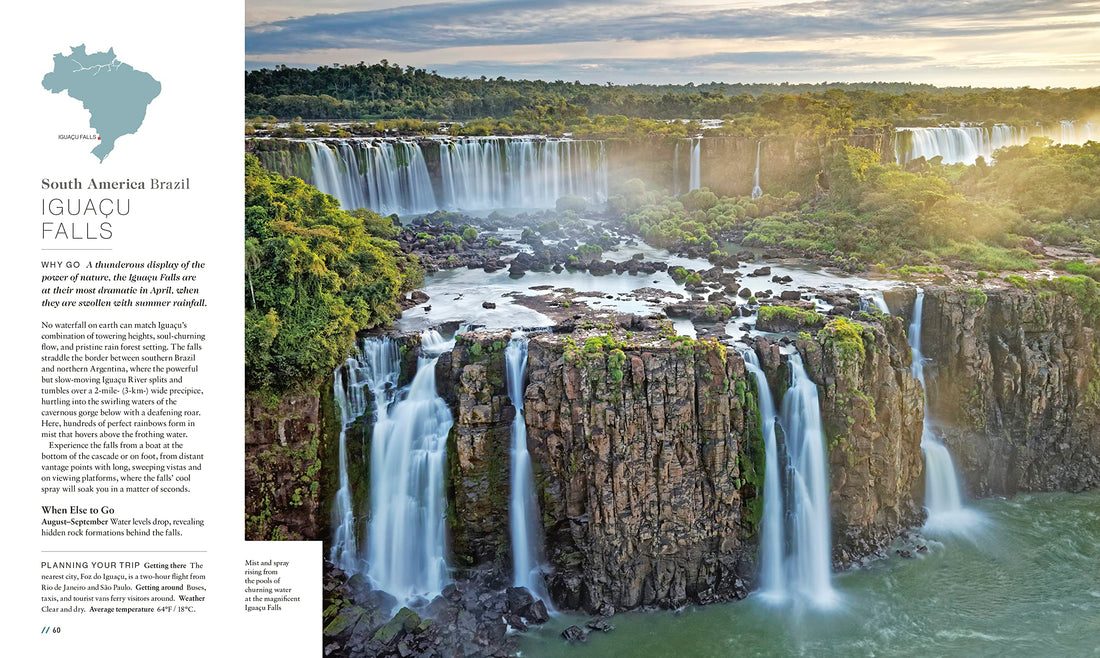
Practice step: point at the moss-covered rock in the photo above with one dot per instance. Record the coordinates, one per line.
(403, 622)
(788, 318)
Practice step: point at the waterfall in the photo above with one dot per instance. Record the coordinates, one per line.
(756, 191)
(1072, 132)
(957, 143)
(492, 172)
(421, 197)
(941, 486)
(694, 174)
(808, 569)
(374, 368)
(773, 584)
(406, 542)
(1068, 133)
(385, 177)
(876, 300)
(337, 175)
(343, 552)
(522, 507)
(676, 169)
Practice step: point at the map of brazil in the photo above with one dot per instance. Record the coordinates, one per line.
(115, 93)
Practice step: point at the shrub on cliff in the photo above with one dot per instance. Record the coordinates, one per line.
(1081, 289)
(315, 275)
(787, 318)
(846, 336)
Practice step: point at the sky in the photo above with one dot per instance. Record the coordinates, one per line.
(982, 43)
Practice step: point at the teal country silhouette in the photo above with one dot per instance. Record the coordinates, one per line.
(115, 93)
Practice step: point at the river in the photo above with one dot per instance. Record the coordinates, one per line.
(1024, 585)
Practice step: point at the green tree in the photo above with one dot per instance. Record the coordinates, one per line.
(316, 276)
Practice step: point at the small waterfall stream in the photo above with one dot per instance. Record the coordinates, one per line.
(694, 173)
(406, 543)
(773, 582)
(756, 191)
(676, 169)
(809, 559)
(522, 507)
(941, 489)
(343, 552)
(375, 368)
(795, 543)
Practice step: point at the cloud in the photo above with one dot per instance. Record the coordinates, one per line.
(517, 22)
(1050, 42)
(762, 65)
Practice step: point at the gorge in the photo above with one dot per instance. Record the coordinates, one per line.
(564, 418)
(650, 454)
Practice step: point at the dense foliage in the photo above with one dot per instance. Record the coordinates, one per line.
(387, 91)
(981, 216)
(315, 275)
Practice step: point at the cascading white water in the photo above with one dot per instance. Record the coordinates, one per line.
(958, 143)
(337, 175)
(941, 486)
(874, 299)
(756, 191)
(676, 169)
(522, 507)
(695, 173)
(343, 552)
(421, 196)
(808, 572)
(374, 368)
(773, 581)
(1075, 132)
(406, 542)
(493, 172)
(383, 176)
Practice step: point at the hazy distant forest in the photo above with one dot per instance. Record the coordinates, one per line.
(363, 92)
(979, 217)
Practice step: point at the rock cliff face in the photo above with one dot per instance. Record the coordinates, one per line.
(872, 411)
(648, 457)
(638, 455)
(284, 443)
(474, 382)
(1014, 383)
(292, 457)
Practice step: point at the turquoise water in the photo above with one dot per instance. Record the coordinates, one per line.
(1027, 583)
